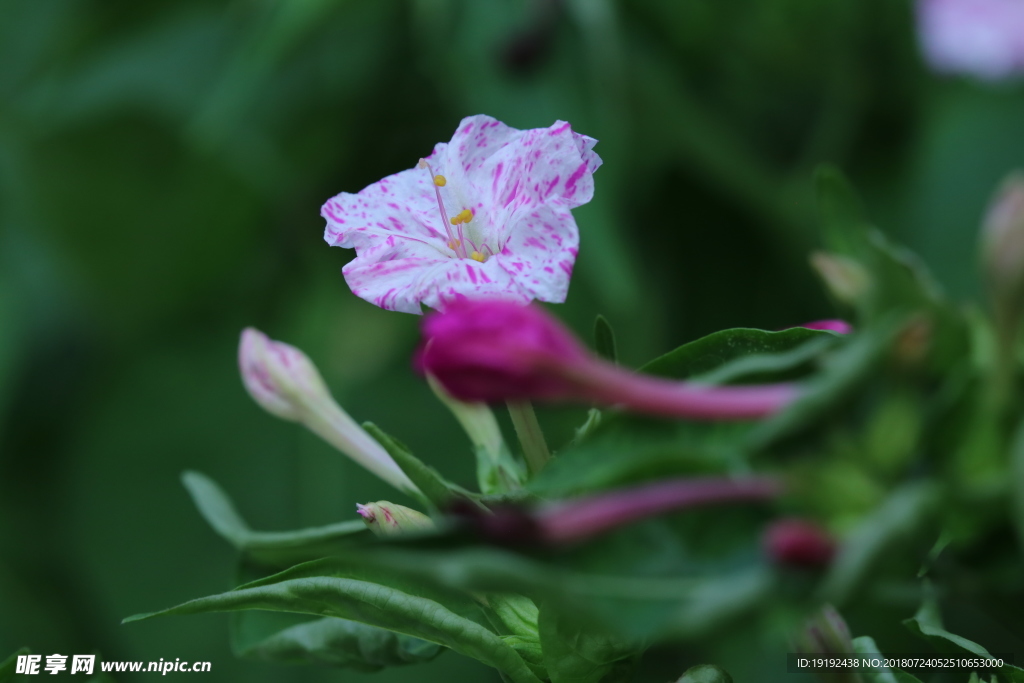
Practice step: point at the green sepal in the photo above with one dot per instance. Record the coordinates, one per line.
(604, 339)
(437, 491)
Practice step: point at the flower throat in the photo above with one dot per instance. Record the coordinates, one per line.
(457, 241)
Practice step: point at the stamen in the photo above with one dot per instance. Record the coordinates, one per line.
(459, 249)
(477, 256)
(463, 216)
(440, 180)
(454, 245)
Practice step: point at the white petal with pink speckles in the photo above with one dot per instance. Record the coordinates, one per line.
(519, 185)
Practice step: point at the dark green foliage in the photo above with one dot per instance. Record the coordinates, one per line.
(161, 169)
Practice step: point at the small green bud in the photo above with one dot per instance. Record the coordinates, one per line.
(705, 673)
(385, 518)
(846, 279)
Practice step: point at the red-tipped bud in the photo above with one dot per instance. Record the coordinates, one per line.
(799, 543)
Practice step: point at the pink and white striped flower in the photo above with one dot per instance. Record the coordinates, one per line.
(485, 215)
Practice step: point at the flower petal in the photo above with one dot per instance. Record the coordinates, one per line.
(540, 252)
(514, 167)
(408, 279)
(401, 207)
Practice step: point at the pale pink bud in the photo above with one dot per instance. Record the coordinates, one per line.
(285, 383)
(279, 377)
(482, 350)
(799, 543)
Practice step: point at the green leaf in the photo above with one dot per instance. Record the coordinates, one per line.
(529, 648)
(339, 642)
(576, 655)
(604, 339)
(599, 464)
(515, 614)
(1017, 480)
(348, 566)
(372, 604)
(844, 370)
(927, 624)
(9, 665)
(656, 607)
(714, 351)
(438, 491)
(843, 216)
(764, 366)
(273, 548)
(899, 517)
(705, 673)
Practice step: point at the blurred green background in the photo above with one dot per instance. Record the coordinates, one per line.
(162, 165)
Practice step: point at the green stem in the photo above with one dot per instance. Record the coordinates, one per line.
(531, 438)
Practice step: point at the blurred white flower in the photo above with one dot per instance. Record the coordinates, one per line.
(980, 38)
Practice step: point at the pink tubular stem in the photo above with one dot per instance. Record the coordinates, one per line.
(579, 519)
(608, 384)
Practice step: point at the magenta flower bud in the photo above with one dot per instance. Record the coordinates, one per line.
(799, 543)
(488, 350)
(837, 326)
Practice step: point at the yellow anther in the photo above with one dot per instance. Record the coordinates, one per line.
(477, 256)
(440, 180)
(454, 245)
(463, 216)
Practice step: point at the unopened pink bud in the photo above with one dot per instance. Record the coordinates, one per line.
(837, 326)
(285, 383)
(279, 377)
(799, 543)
